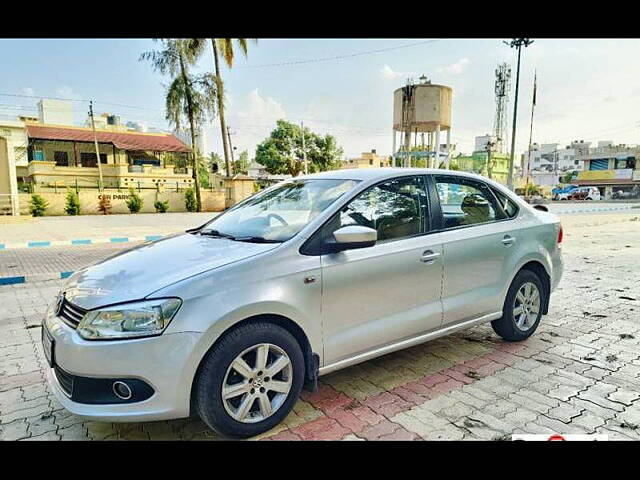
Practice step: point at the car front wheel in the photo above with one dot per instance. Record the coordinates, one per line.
(522, 308)
(250, 380)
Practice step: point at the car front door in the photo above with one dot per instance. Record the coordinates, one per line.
(478, 239)
(388, 292)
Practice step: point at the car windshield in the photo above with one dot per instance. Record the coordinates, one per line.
(278, 213)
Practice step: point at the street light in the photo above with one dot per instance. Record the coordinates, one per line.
(515, 43)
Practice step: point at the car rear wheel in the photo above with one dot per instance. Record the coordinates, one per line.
(250, 380)
(522, 308)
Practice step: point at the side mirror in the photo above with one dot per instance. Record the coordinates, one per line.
(542, 208)
(352, 237)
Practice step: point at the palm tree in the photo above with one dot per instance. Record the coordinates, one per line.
(188, 95)
(224, 47)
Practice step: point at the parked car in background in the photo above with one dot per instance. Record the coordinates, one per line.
(563, 193)
(585, 193)
(231, 319)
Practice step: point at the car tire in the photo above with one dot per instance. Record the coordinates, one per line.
(511, 326)
(230, 417)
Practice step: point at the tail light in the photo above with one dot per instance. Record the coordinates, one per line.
(560, 235)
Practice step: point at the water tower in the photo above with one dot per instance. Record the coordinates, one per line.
(419, 109)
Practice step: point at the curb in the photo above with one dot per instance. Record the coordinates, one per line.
(78, 241)
(38, 277)
(592, 210)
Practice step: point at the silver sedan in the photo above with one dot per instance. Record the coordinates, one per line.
(232, 319)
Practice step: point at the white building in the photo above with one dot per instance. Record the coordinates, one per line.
(550, 157)
(56, 112)
(184, 134)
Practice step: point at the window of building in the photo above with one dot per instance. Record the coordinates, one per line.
(465, 202)
(88, 159)
(395, 208)
(61, 158)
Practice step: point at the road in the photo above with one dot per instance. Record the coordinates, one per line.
(578, 374)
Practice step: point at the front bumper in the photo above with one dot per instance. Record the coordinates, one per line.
(164, 363)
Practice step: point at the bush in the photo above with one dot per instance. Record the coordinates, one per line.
(38, 206)
(73, 203)
(190, 200)
(104, 205)
(134, 203)
(161, 207)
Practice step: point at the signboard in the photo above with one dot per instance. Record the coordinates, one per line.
(620, 174)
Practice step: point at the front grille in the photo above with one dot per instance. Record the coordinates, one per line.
(65, 380)
(71, 314)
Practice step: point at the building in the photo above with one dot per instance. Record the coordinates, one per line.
(13, 163)
(549, 157)
(614, 169)
(184, 134)
(60, 156)
(57, 112)
(485, 161)
(367, 160)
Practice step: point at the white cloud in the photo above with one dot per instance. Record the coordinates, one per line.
(455, 68)
(390, 74)
(27, 91)
(67, 92)
(262, 108)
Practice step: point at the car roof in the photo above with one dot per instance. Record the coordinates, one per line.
(375, 174)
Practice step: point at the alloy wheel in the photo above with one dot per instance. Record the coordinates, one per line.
(257, 383)
(526, 306)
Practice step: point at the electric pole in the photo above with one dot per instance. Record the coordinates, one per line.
(488, 149)
(230, 148)
(304, 150)
(95, 142)
(517, 43)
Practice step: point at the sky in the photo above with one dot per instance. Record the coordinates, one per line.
(587, 89)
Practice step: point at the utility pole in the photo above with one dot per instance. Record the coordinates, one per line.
(304, 150)
(488, 148)
(230, 148)
(95, 142)
(533, 107)
(517, 43)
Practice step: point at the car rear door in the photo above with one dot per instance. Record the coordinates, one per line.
(379, 295)
(479, 245)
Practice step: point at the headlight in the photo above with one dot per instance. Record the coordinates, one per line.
(138, 319)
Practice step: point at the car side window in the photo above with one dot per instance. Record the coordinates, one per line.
(509, 207)
(465, 202)
(395, 209)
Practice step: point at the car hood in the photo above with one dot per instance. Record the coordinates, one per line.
(142, 270)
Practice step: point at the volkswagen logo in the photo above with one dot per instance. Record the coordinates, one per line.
(59, 302)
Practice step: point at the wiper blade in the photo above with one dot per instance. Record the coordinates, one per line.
(216, 233)
(253, 239)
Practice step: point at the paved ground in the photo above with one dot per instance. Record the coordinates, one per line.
(580, 372)
(97, 226)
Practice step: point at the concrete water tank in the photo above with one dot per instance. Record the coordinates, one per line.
(424, 105)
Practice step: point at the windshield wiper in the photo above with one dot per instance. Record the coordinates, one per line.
(216, 233)
(254, 239)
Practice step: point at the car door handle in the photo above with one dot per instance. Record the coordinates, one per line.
(508, 240)
(429, 257)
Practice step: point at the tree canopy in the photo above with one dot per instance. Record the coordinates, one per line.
(282, 153)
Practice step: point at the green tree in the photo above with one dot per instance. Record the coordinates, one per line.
(215, 162)
(134, 202)
(73, 203)
(190, 97)
(205, 181)
(282, 153)
(38, 205)
(242, 164)
(190, 200)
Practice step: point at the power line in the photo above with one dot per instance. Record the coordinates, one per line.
(336, 57)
